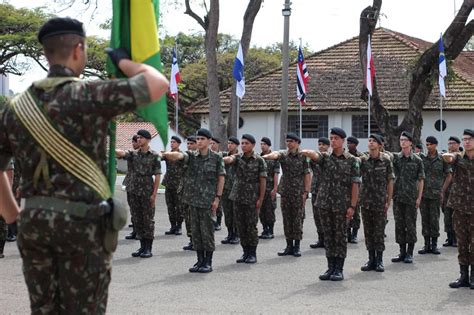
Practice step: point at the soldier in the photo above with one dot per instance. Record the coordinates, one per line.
(126, 180)
(453, 147)
(337, 200)
(461, 199)
(354, 224)
(227, 204)
(294, 188)
(215, 147)
(202, 192)
(375, 197)
(172, 180)
(247, 193)
(267, 211)
(215, 144)
(62, 231)
(191, 146)
(3, 224)
(146, 163)
(408, 189)
(418, 148)
(436, 171)
(323, 146)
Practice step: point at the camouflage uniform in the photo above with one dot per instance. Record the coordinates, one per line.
(245, 193)
(140, 189)
(267, 212)
(128, 178)
(461, 199)
(66, 267)
(291, 189)
(315, 184)
(447, 212)
(354, 224)
(227, 205)
(199, 192)
(376, 174)
(408, 171)
(172, 181)
(338, 173)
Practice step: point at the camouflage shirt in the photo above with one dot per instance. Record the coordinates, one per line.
(174, 174)
(81, 111)
(129, 174)
(338, 173)
(248, 171)
(461, 196)
(356, 153)
(229, 173)
(144, 166)
(435, 173)
(294, 167)
(273, 167)
(375, 173)
(202, 174)
(408, 171)
(316, 180)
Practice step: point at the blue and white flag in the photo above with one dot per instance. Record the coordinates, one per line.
(442, 67)
(238, 73)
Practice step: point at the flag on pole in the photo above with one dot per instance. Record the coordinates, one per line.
(175, 78)
(302, 78)
(135, 28)
(238, 73)
(442, 68)
(370, 72)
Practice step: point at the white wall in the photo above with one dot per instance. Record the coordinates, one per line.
(4, 85)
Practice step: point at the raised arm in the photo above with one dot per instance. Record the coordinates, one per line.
(173, 156)
(312, 155)
(272, 156)
(8, 206)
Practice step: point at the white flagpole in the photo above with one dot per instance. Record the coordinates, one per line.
(368, 114)
(368, 127)
(238, 116)
(441, 118)
(301, 121)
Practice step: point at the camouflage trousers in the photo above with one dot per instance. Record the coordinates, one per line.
(3, 229)
(66, 268)
(429, 209)
(202, 228)
(175, 211)
(187, 219)
(335, 232)
(464, 227)
(448, 215)
(246, 219)
(355, 222)
(144, 214)
(293, 214)
(267, 211)
(405, 222)
(316, 214)
(374, 219)
(132, 208)
(228, 207)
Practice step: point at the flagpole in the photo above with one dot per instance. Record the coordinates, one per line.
(368, 113)
(441, 118)
(238, 117)
(176, 103)
(368, 127)
(301, 121)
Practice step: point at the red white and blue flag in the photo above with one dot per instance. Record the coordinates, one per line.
(302, 78)
(175, 77)
(370, 72)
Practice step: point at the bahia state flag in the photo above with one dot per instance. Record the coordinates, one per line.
(442, 67)
(135, 28)
(238, 73)
(370, 71)
(302, 78)
(175, 77)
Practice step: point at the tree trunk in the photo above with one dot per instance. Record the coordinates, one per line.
(249, 17)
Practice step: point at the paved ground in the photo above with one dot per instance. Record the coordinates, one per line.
(163, 285)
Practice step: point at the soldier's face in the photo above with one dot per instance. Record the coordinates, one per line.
(174, 144)
(231, 147)
(468, 143)
(431, 147)
(135, 145)
(323, 147)
(336, 142)
(405, 142)
(264, 147)
(246, 146)
(292, 144)
(214, 146)
(203, 143)
(142, 142)
(352, 146)
(453, 146)
(191, 145)
(373, 144)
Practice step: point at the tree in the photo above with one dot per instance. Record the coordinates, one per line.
(455, 39)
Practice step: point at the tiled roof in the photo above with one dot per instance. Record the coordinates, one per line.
(336, 79)
(126, 130)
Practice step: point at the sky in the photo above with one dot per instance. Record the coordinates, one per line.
(319, 23)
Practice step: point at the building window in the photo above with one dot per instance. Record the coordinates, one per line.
(314, 126)
(360, 125)
(438, 125)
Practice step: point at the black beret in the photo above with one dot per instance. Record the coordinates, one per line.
(376, 137)
(324, 140)
(134, 138)
(144, 133)
(248, 137)
(353, 140)
(339, 132)
(191, 139)
(267, 141)
(383, 139)
(234, 140)
(293, 136)
(176, 138)
(468, 132)
(215, 140)
(455, 139)
(461, 149)
(203, 132)
(408, 135)
(60, 26)
(432, 140)
(419, 146)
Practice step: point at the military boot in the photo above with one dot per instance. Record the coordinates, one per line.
(270, 231)
(449, 240)
(463, 280)
(409, 256)
(2, 246)
(264, 234)
(217, 224)
(327, 274)
(338, 275)
(197, 265)
(12, 231)
(147, 252)
(434, 246)
(370, 265)
(427, 248)
(252, 255)
(379, 261)
(139, 251)
(171, 231)
(288, 249)
(401, 256)
(235, 240)
(229, 236)
(190, 245)
(319, 243)
(349, 235)
(178, 230)
(244, 255)
(296, 249)
(206, 266)
(455, 240)
(472, 277)
(354, 236)
(131, 236)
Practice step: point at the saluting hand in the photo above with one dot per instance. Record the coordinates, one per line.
(117, 54)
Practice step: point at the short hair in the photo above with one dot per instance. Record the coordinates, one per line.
(58, 48)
